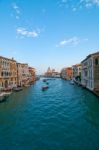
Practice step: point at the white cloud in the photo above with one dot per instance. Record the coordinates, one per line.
(89, 3)
(22, 32)
(96, 1)
(71, 41)
(17, 10)
(74, 6)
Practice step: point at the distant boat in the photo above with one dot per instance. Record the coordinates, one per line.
(7, 94)
(51, 78)
(44, 80)
(17, 89)
(44, 88)
(9, 89)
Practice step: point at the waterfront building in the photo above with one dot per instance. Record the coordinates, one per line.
(48, 73)
(22, 74)
(32, 74)
(52, 73)
(13, 73)
(63, 73)
(90, 72)
(77, 72)
(19, 74)
(8, 73)
(67, 73)
(55, 73)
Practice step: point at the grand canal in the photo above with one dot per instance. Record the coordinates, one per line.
(65, 117)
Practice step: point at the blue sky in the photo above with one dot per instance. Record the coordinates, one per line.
(43, 33)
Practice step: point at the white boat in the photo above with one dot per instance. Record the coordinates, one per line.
(1, 97)
(7, 94)
(17, 89)
(4, 95)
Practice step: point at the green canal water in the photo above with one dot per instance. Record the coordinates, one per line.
(65, 117)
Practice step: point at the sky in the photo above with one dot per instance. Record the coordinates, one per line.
(43, 33)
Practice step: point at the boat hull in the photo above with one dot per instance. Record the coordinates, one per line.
(45, 88)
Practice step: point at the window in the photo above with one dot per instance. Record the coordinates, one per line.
(86, 73)
(96, 61)
(7, 74)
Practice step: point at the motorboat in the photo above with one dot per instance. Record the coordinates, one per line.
(6, 94)
(44, 80)
(17, 89)
(9, 89)
(1, 97)
(44, 88)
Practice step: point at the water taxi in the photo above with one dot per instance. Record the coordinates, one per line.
(17, 89)
(44, 88)
(44, 80)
